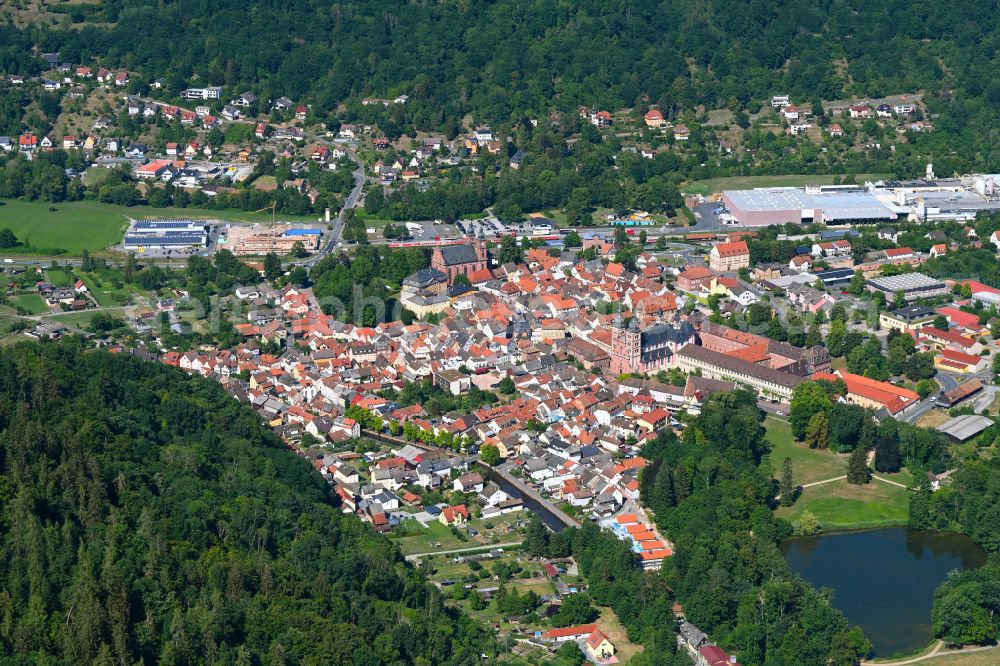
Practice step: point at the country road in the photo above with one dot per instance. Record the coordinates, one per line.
(351, 201)
(489, 546)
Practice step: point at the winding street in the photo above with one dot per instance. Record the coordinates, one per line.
(351, 201)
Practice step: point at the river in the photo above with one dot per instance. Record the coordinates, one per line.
(550, 520)
(884, 579)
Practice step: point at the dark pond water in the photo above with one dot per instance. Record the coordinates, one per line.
(884, 580)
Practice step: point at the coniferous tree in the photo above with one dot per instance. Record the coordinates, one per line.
(682, 484)
(887, 456)
(787, 483)
(857, 467)
(818, 431)
(664, 484)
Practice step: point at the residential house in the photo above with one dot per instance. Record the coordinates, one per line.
(725, 257)
(454, 515)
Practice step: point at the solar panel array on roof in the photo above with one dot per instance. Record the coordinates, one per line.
(163, 225)
(164, 240)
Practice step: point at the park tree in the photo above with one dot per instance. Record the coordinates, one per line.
(857, 467)
(506, 385)
(787, 483)
(489, 454)
(818, 431)
(807, 524)
(887, 457)
(808, 398)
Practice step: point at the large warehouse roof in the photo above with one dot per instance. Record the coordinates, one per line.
(163, 225)
(851, 206)
(906, 282)
(175, 240)
(836, 206)
(770, 198)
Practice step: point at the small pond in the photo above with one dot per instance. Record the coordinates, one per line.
(884, 579)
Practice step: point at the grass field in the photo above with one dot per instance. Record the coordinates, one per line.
(984, 658)
(712, 185)
(57, 277)
(106, 295)
(841, 505)
(78, 319)
(33, 303)
(614, 630)
(808, 465)
(426, 541)
(73, 226)
(933, 418)
(87, 225)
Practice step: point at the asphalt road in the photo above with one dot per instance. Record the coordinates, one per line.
(337, 223)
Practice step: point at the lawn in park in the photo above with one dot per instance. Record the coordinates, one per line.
(841, 505)
(808, 465)
(838, 504)
(984, 658)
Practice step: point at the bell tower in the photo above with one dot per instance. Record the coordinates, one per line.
(626, 346)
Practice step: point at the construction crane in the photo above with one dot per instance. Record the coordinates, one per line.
(273, 208)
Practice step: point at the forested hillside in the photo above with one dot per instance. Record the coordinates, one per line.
(503, 60)
(496, 57)
(147, 517)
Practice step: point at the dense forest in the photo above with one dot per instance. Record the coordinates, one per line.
(147, 517)
(967, 606)
(500, 61)
(711, 490)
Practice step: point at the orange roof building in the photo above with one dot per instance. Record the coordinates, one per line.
(872, 393)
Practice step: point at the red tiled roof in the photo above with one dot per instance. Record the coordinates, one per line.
(736, 249)
(564, 632)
